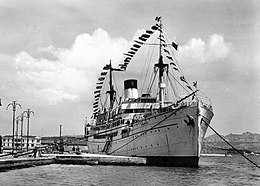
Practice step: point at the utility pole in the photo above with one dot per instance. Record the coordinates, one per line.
(16, 133)
(60, 132)
(13, 104)
(61, 147)
(28, 113)
(20, 118)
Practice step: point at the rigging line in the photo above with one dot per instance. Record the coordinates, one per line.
(115, 84)
(147, 130)
(167, 40)
(152, 81)
(230, 144)
(178, 82)
(174, 91)
(3, 95)
(147, 69)
(100, 100)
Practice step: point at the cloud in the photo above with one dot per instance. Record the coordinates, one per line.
(70, 72)
(67, 73)
(199, 51)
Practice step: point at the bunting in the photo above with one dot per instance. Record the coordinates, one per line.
(97, 96)
(127, 60)
(106, 67)
(171, 63)
(195, 84)
(189, 87)
(142, 39)
(134, 49)
(183, 79)
(187, 84)
(149, 32)
(99, 87)
(175, 45)
(158, 18)
(162, 40)
(170, 58)
(101, 79)
(129, 55)
(164, 45)
(97, 91)
(103, 73)
(146, 35)
(138, 43)
(136, 46)
(154, 27)
(166, 51)
(131, 52)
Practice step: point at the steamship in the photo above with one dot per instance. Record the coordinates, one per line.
(165, 124)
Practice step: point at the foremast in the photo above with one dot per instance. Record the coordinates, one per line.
(111, 90)
(162, 67)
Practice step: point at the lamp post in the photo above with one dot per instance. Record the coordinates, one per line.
(28, 113)
(16, 133)
(13, 104)
(20, 118)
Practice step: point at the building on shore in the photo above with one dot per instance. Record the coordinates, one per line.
(20, 143)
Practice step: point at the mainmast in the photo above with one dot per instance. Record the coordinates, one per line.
(161, 66)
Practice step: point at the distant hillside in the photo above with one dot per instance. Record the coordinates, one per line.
(245, 141)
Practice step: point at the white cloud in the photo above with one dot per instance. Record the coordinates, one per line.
(72, 71)
(197, 50)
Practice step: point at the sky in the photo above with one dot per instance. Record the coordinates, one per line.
(52, 52)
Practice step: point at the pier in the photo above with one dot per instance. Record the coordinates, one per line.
(15, 163)
(83, 159)
(99, 159)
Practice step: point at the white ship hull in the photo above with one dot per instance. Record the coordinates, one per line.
(164, 138)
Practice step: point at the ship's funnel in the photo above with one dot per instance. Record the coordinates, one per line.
(130, 86)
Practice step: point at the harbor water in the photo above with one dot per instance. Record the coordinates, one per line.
(234, 170)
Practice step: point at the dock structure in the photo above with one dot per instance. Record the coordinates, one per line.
(83, 159)
(99, 159)
(15, 163)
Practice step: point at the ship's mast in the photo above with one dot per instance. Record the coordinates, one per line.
(161, 66)
(111, 90)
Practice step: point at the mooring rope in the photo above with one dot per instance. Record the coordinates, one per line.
(231, 145)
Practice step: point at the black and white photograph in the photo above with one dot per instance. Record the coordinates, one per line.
(129, 92)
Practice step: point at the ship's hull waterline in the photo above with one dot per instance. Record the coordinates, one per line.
(170, 138)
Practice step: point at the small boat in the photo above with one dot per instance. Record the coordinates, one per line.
(165, 124)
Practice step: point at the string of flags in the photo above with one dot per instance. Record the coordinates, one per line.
(99, 86)
(137, 44)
